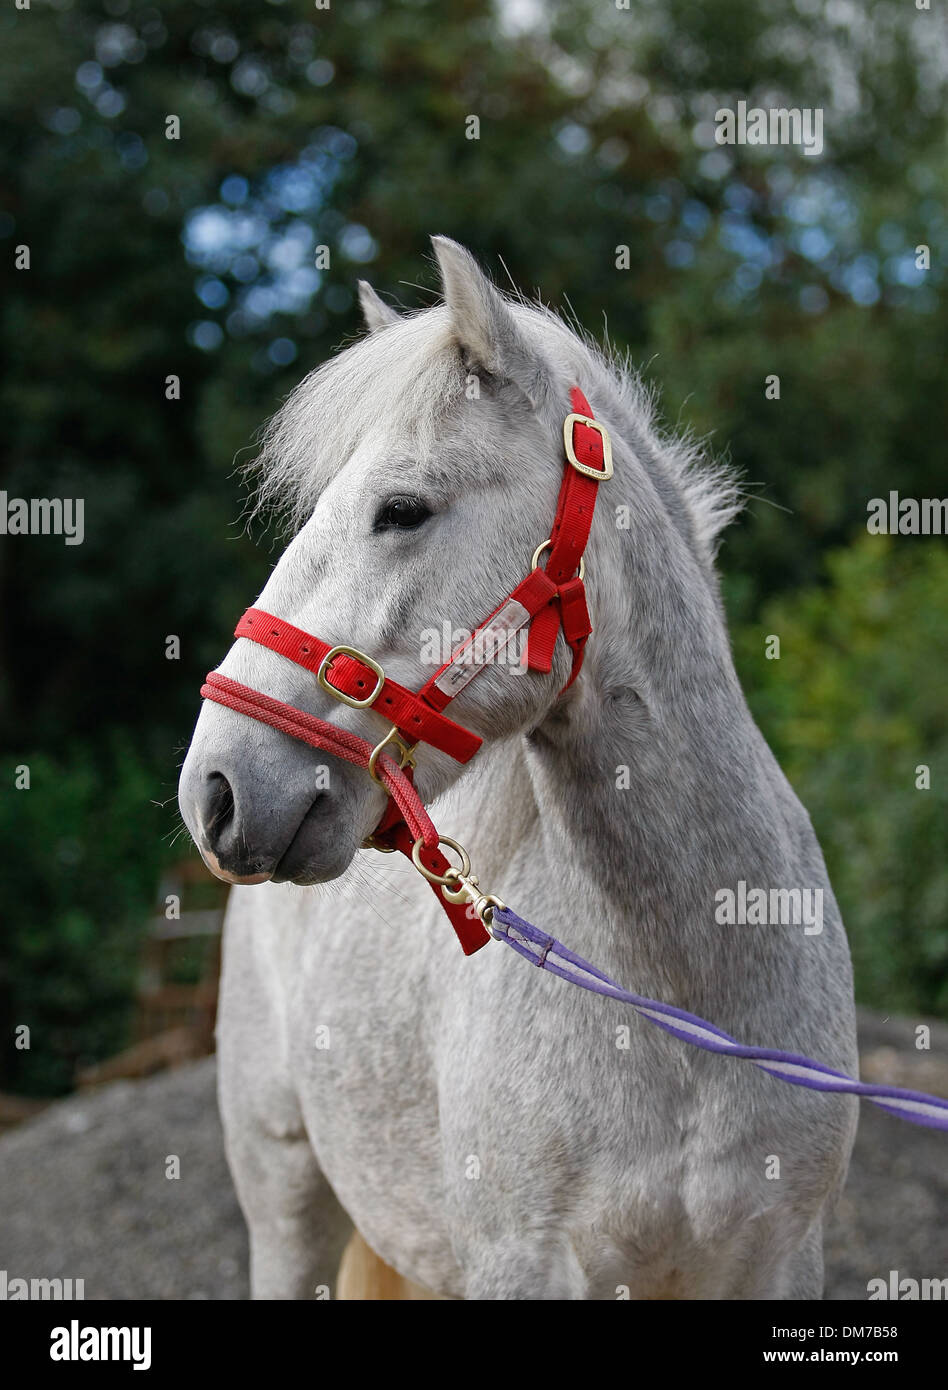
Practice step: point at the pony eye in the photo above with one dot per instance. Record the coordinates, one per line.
(403, 513)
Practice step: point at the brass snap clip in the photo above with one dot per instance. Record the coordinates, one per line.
(468, 889)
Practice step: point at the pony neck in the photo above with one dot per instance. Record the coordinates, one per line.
(650, 777)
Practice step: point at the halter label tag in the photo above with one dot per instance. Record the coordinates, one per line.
(482, 648)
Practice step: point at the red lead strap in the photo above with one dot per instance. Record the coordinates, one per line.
(548, 599)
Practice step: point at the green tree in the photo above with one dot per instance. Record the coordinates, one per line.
(594, 178)
(854, 708)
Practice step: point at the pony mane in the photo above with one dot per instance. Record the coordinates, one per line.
(708, 489)
(409, 373)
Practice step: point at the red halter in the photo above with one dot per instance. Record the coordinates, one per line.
(548, 599)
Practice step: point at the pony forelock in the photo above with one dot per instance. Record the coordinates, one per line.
(408, 376)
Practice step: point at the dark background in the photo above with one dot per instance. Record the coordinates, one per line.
(194, 257)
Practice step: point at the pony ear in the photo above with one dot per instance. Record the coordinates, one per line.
(484, 324)
(376, 312)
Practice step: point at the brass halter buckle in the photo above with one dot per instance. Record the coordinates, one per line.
(599, 474)
(326, 664)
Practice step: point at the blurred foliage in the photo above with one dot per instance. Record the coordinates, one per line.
(346, 128)
(854, 709)
(80, 852)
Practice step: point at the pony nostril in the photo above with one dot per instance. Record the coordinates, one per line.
(220, 806)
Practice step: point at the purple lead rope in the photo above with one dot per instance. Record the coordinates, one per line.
(914, 1106)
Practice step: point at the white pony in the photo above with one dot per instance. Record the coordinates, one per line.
(492, 1132)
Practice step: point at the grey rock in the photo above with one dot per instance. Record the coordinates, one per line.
(84, 1192)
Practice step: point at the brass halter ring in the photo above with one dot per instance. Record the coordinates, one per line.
(462, 872)
(406, 758)
(545, 546)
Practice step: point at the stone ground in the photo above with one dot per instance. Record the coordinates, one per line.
(83, 1191)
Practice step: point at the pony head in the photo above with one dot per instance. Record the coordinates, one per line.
(421, 467)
